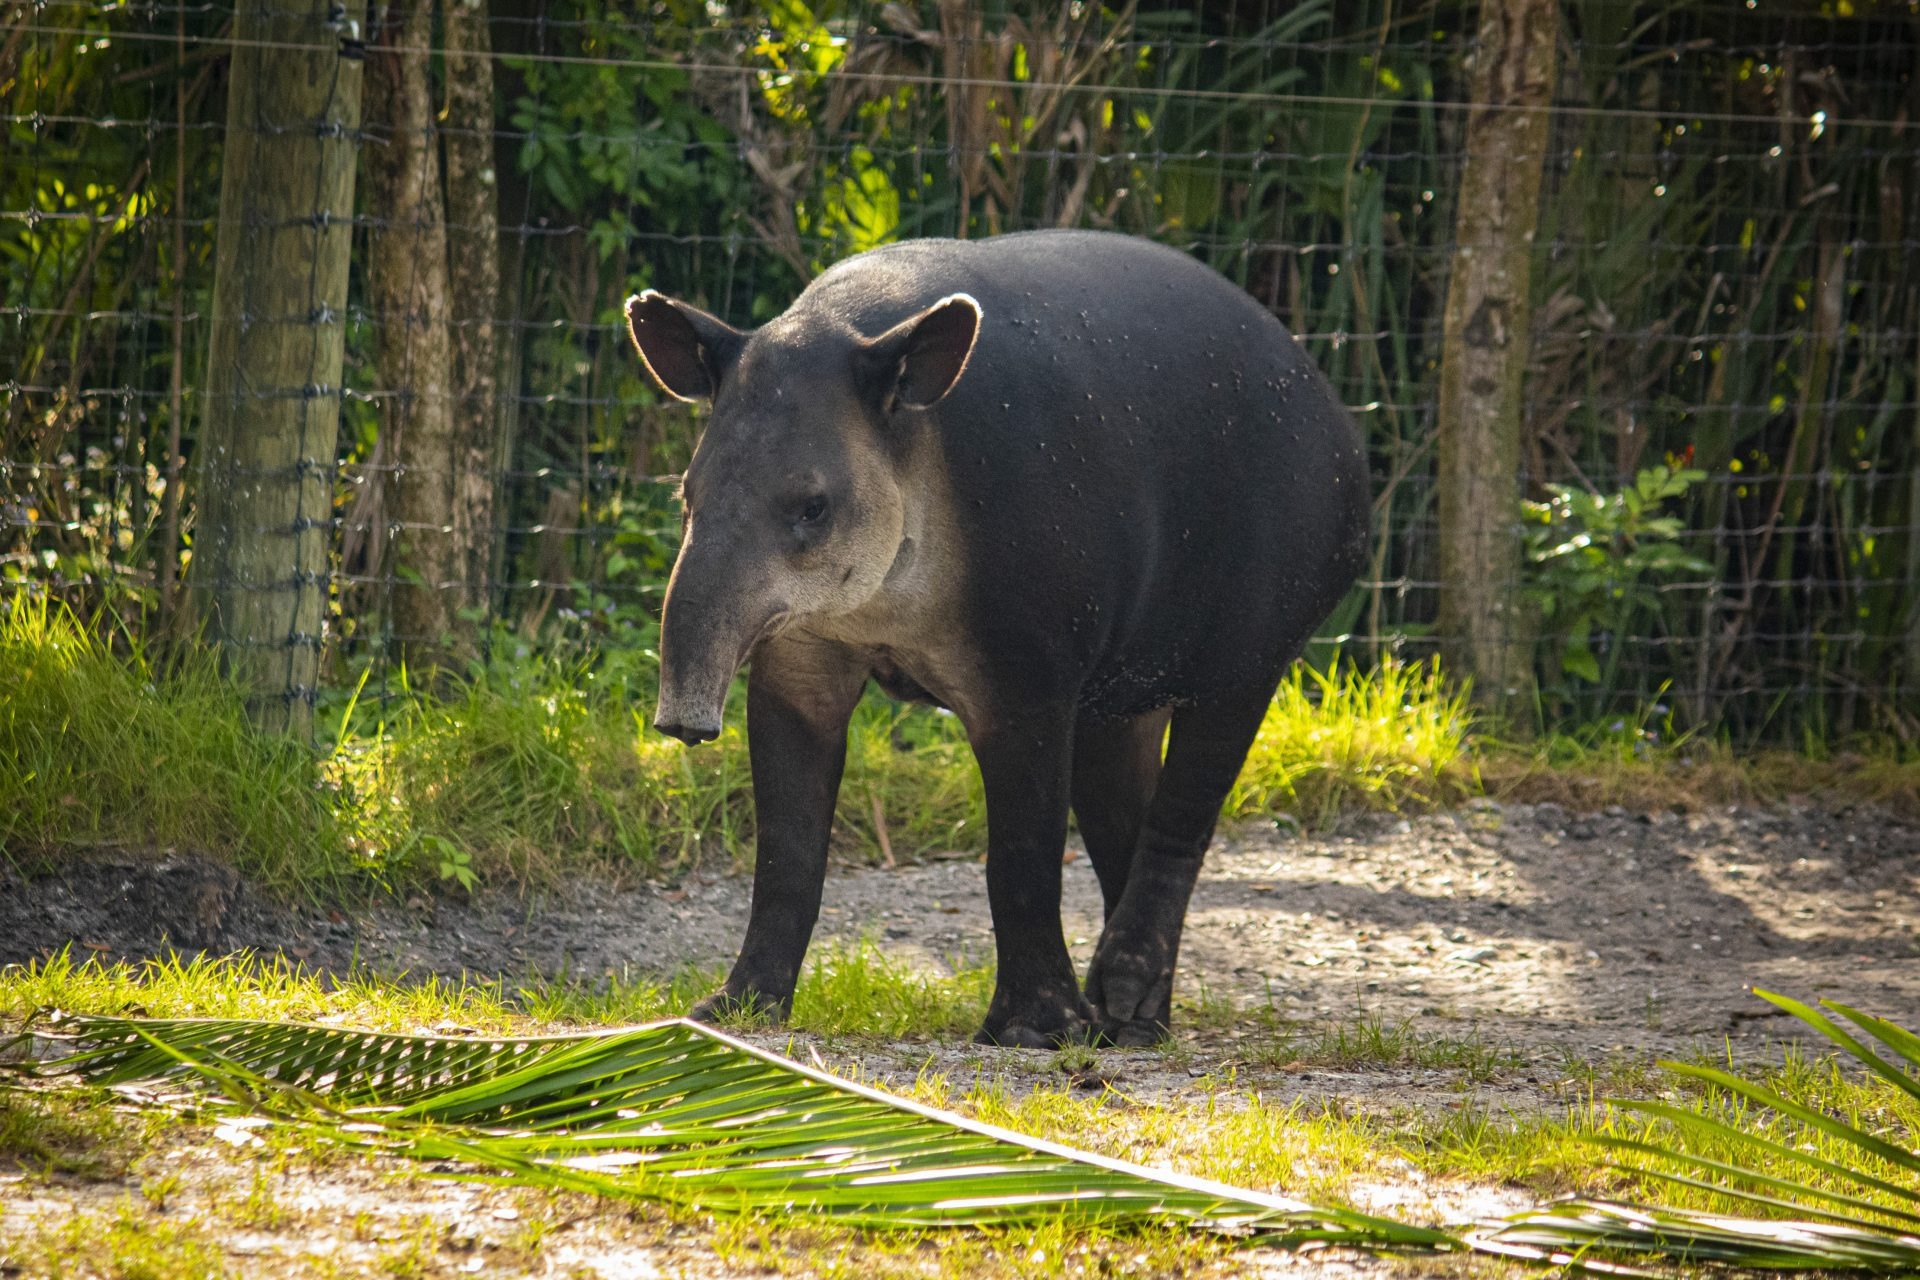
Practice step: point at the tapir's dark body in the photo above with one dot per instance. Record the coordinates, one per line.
(1129, 495)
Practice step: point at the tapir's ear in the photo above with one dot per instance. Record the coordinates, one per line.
(685, 349)
(915, 363)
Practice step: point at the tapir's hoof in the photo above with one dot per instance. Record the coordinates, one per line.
(1131, 999)
(1038, 1024)
(750, 1006)
(1140, 1034)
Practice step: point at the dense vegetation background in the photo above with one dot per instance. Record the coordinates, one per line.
(1720, 434)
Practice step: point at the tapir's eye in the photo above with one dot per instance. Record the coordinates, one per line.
(814, 510)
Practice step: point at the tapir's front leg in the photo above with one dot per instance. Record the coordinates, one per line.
(800, 695)
(1025, 769)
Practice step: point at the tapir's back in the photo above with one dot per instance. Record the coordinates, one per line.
(1147, 464)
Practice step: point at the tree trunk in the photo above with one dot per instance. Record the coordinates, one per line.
(473, 257)
(1484, 628)
(271, 422)
(408, 293)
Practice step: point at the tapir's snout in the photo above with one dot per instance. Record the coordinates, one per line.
(691, 734)
(703, 640)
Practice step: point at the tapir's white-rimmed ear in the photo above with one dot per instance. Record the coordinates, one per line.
(686, 350)
(918, 361)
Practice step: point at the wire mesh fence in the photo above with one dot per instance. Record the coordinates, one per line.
(1720, 470)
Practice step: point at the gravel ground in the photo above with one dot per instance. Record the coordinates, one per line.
(1591, 932)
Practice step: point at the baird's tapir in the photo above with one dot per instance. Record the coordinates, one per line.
(1075, 487)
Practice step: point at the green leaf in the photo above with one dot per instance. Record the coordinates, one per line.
(679, 1113)
(1835, 1230)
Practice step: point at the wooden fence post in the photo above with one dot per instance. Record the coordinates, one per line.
(270, 423)
(1484, 627)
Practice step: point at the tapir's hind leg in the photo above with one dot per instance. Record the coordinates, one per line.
(1130, 983)
(1116, 766)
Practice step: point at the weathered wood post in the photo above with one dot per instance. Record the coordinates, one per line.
(407, 291)
(269, 425)
(1484, 629)
(473, 261)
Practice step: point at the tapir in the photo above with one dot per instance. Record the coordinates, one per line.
(1074, 486)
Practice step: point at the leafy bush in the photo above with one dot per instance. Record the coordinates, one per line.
(1597, 561)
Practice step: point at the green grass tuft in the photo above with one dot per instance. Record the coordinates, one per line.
(1390, 738)
(71, 1133)
(129, 1244)
(856, 989)
(1370, 1041)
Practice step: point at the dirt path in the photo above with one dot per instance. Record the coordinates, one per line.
(1539, 927)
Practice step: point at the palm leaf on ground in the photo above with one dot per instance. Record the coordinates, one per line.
(679, 1113)
(1854, 1220)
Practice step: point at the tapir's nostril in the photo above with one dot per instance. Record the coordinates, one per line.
(691, 734)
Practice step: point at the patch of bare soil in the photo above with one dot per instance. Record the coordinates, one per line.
(1563, 937)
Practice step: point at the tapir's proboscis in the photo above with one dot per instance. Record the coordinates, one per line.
(1077, 488)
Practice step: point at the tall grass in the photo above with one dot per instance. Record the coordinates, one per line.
(105, 748)
(533, 766)
(1387, 738)
(521, 770)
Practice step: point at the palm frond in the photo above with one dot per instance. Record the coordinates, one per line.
(1586, 1232)
(680, 1113)
(1821, 1228)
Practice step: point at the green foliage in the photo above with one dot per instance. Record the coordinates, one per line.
(1828, 1167)
(1597, 562)
(603, 142)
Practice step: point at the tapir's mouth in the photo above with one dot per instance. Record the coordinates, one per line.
(691, 734)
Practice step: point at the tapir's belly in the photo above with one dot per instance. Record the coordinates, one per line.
(896, 683)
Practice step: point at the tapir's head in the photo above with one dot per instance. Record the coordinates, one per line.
(795, 501)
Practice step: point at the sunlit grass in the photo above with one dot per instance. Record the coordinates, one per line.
(845, 989)
(106, 747)
(1387, 738)
(856, 989)
(68, 1133)
(522, 771)
(129, 1241)
(1370, 1040)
